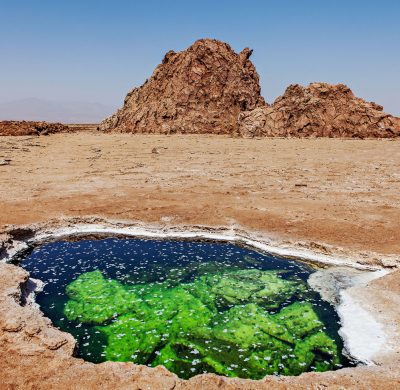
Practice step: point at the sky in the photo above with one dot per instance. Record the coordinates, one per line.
(96, 51)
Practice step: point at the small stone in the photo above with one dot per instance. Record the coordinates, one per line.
(12, 325)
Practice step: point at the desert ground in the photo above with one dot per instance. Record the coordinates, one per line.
(334, 191)
(333, 195)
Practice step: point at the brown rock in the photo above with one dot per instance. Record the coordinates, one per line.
(319, 110)
(208, 88)
(30, 128)
(200, 90)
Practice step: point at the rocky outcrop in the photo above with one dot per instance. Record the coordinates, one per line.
(30, 128)
(208, 88)
(200, 90)
(319, 110)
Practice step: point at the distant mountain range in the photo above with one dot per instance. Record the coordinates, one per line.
(54, 111)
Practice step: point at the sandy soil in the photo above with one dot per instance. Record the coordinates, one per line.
(340, 192)
(345, 193)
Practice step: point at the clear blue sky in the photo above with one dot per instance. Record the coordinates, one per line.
(97, 50)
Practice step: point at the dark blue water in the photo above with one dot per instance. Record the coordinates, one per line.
(133, 261)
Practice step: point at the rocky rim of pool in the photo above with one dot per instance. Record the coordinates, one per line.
(294, 329)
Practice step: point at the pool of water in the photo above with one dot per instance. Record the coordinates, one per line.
(194, 307)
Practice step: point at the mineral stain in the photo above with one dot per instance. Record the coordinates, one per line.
(193, 307)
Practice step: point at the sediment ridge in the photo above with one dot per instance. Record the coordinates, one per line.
(19, 128)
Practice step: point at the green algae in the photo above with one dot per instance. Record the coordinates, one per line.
(251, 285)
(94, 299)
(230, 322)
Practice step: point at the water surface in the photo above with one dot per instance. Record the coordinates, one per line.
(194, 307)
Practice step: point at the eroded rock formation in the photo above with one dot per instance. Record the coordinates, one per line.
(199, 90)
(208, 88)
(319, 110)
(30, 128)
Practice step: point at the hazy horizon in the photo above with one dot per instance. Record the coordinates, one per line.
(35, 109)
(94, 52)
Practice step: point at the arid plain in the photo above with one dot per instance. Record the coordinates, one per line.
(340, 192)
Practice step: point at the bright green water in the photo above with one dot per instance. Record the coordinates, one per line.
(192, 307)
